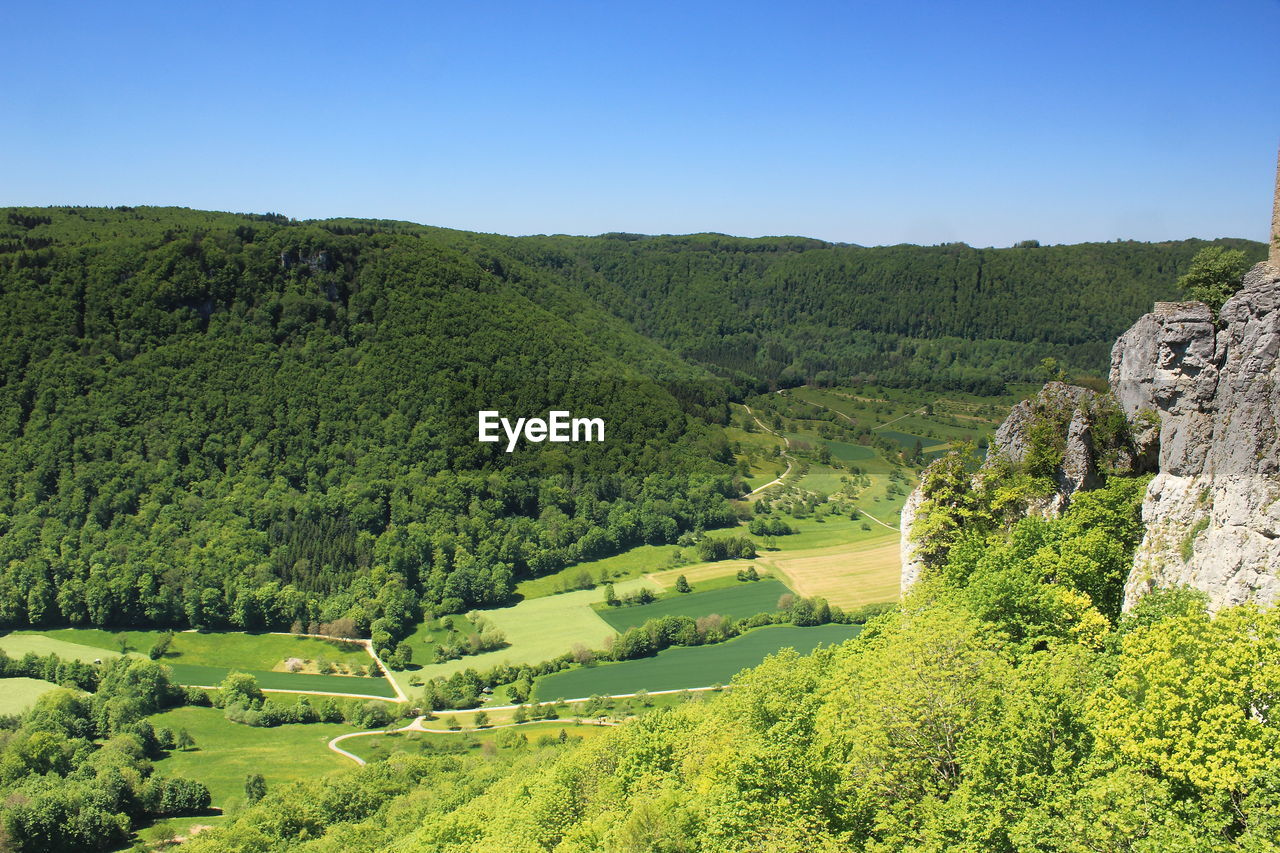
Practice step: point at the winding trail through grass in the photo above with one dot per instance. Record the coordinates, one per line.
(789, 458)
(787, 446)
(416, 725)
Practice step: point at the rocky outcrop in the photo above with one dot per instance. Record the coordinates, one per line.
(1201, 400)
(1064, 430)
(1068, 413)
(1212, 514)
(912, 565)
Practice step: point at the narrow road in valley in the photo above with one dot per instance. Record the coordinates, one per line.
(785, 455)
(876, 520)
(416, 724)
(851, 420)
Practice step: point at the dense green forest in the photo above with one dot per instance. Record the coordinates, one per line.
(1006, 705)
(222, 420)
(789, 310)
(217, 420)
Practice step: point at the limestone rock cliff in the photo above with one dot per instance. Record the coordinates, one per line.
(1201, 400)
(1212, 514)
(1070, 433)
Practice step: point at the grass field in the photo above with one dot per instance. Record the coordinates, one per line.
(222, 649)
(738, 601)
(227, 752)
(205, 659)
(705, 576)
(211, 676)
(756, 449)
(19, 694)
(695, 666)
(19, 643)
(536, 629)
(631, 563)
(847, 575)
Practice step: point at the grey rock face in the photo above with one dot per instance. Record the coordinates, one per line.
(1203, 403)
(912, 566)
(1212, 513)
(1073, 408)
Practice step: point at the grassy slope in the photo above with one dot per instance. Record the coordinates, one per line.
(629, 564)
(379, 747)
(211, 676)
(19, 643)
(229, 649)
(226, 752)
(206, 659)
(680, 668)
(536, 629)
(19, 694)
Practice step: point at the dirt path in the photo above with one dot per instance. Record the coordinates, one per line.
(785, 455)
(416, 725)
(788, 441)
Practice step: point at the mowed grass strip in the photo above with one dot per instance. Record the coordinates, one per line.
(257, 651)
(211, 676)
(744, 599)
(227, 752)
(19, 694)
(18, 644)
(685, 667)
(867, 572)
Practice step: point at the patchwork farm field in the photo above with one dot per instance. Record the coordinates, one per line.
(19, 694)
(738, 601)
(691, 666)
(536, 630)
(867, 572)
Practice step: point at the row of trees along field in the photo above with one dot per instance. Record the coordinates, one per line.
(1006, 705)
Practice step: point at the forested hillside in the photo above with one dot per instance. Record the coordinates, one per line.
(219, 420)
(790, 310)
(225, 420)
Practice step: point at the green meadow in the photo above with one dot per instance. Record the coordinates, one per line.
(19, 694)
(226, 752)
(627, 565)
(211, 676)
(380, 747)
(690, 666)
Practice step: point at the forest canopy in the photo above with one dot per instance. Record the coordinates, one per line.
(220, 420)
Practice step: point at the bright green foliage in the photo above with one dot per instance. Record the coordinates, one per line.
(76, 772)
(1214, 275)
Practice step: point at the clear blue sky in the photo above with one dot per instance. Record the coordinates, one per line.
(987, 122)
